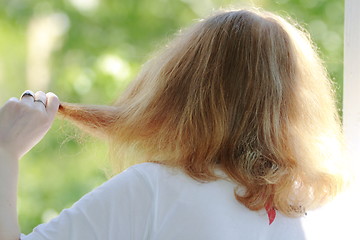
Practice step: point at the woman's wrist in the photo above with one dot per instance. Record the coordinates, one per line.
(7, 157)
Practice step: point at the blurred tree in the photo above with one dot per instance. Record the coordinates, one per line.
(87, 51)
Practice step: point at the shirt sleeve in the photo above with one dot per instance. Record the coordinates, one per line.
(121, 208)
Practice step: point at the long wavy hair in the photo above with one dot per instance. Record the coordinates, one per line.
(243, 91)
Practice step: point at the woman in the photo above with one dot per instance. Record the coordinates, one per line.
(237, 122)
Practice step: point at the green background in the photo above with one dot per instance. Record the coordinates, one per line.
(87, 51)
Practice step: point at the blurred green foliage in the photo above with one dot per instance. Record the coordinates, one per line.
(87, 51)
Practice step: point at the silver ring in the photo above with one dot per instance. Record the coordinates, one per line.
(38, 100)
(27, 93)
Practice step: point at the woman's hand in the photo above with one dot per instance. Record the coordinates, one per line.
(24, 122)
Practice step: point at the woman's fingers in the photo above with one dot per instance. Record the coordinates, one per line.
(13, 99)
(24, 122)
(27, 97)
(40, 100)
(52, 104)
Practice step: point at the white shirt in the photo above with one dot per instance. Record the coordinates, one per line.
(154, 202)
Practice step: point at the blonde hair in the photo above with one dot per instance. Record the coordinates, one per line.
(243, 91)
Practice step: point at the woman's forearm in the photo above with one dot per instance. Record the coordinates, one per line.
(9, 228)
(23, 123)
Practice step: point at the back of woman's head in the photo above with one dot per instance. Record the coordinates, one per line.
(243, 91)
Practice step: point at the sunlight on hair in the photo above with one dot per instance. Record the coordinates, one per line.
(330, 141)
(269, 122)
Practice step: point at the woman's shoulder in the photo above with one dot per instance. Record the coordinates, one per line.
(145, 175)
(149, 167)
(155, 174)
